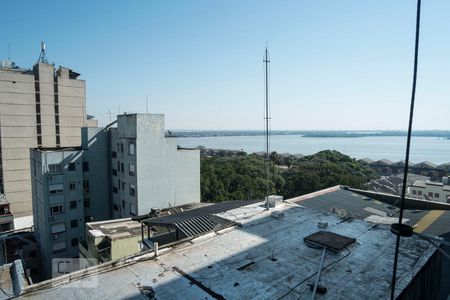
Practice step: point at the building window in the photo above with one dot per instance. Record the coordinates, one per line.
(59, 247)
(118, 148)
(58, 228)
(131, 148)
(132, 209)
(121, 147)
(73, 223)
(123, 204)
(430, 194)
(55, 189)
(54, 169)
(419, 193)
(436, 195)
(74, 242)
(73, 204)
(114, 172)
(114, 154)
(72, 166)
(57, 209)
(122, 169)
(87, 202)
(72, 186)
(115, 207)
(132, 170)
(118, 166)
(86, 186)
(414, 192)
(85, 166)
(114, 190)
(123, 185)
(132, 190)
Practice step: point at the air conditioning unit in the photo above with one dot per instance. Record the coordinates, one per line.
(54, 236)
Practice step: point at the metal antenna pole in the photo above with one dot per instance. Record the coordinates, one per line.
(408, 143)
(146, 103)
(266, 64)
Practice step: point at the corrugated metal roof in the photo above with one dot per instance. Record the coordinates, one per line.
(23, 222)
(199, 221)
(199, 212)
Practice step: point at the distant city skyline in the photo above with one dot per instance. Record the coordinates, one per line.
(334, 65)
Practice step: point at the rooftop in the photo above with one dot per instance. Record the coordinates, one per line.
(128, 227)
(115, 228)
(23, 222)
(356, 206)
(262, 258)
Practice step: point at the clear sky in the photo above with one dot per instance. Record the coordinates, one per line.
(334, 64)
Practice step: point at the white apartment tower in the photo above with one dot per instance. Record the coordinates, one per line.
(149, 171)
(42, 107)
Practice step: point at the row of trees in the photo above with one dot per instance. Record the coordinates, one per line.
(244, 176)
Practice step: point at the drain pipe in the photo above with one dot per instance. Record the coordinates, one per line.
(318, 273)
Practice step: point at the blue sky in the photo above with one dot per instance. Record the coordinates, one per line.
(334, 64)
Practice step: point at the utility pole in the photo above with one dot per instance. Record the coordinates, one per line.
(266, 68)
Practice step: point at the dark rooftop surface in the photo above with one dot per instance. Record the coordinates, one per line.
(264, 258)
(349, 204)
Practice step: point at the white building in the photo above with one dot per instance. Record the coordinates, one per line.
(432, 191)
(148, 169)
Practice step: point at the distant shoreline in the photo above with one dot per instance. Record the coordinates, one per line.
(310, 134)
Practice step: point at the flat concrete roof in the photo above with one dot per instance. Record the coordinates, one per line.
(263, 258)
(349, 204)
(113, 229)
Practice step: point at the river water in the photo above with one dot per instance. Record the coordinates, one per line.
(434, 149)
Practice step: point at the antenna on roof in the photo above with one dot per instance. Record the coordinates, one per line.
(266, 110)
(42, 58)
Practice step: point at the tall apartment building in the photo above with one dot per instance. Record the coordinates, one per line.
(39, 107)
(148, 169)
(116, 173)
(58, 196)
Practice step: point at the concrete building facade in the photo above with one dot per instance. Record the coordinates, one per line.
(148, 170)
(57, 180)
(39, 107)
(116, 173)
(431, 191)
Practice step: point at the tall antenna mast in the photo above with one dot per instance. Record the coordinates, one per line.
(42, 58)
(266, 108)
(146, 103)
(9, 51)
